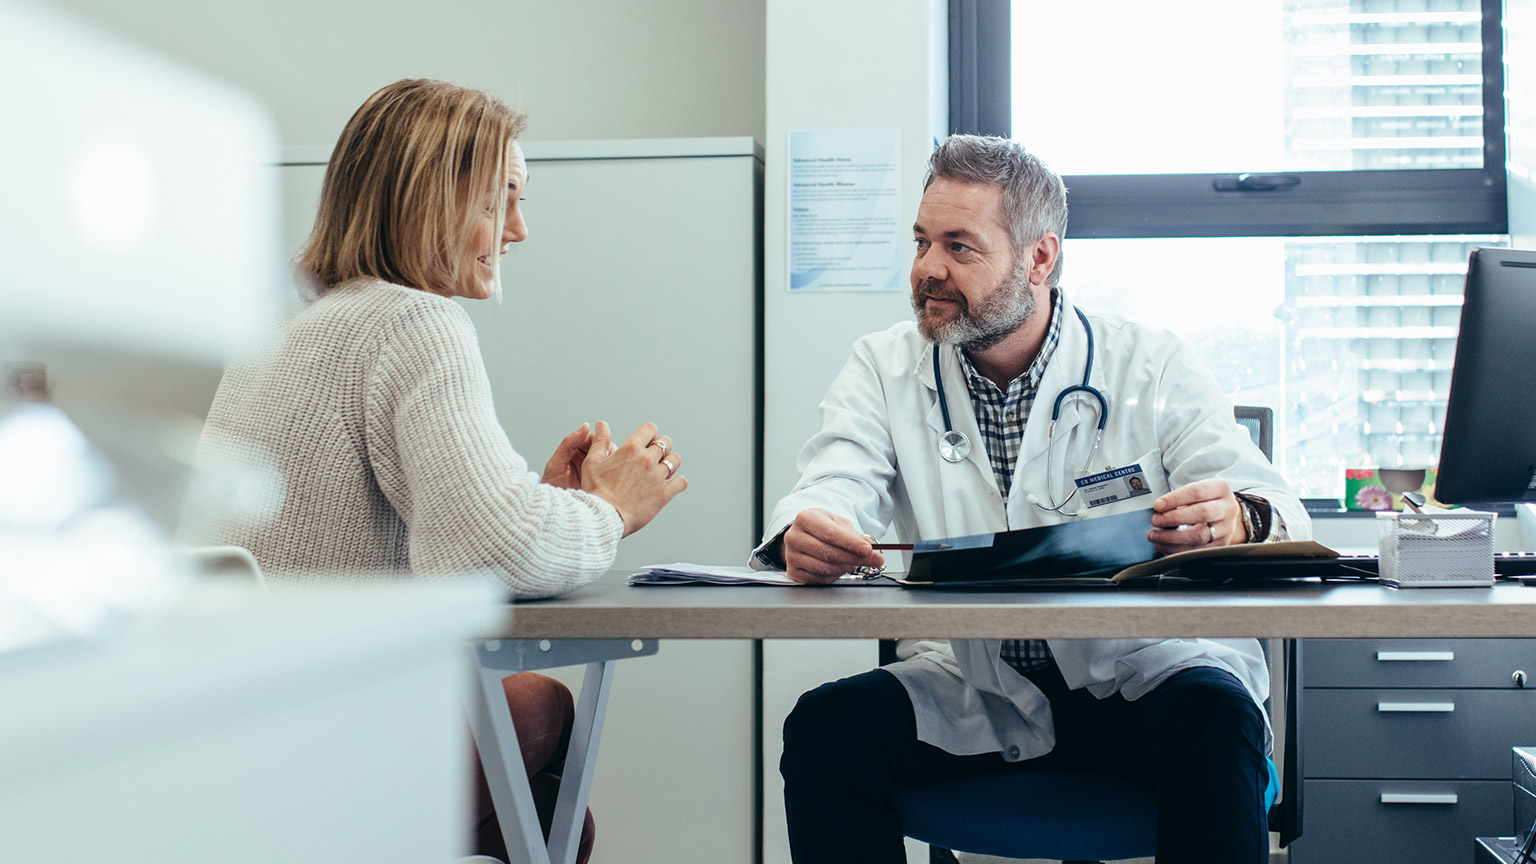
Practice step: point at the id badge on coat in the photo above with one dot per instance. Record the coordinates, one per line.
(1117, 484)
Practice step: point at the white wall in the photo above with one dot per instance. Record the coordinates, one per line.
(850, 65)
(853, 64)
(612, 69)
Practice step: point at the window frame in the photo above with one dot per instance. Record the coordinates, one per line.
(1324, 203)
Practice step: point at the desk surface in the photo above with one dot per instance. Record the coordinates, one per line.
(608, 608)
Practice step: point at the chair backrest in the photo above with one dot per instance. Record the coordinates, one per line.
(1260, 423)
(223, 562)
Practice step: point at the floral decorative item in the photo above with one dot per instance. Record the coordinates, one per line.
(1364, 489)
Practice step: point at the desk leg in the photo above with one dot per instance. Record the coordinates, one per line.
(576, 776)
(491, 721)
(491, 724)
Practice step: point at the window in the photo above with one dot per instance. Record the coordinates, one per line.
(1305, 178)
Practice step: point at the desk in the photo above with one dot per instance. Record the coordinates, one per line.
(610, 609)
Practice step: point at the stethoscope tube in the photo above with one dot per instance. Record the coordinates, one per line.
(1084, 387)
(955, 446)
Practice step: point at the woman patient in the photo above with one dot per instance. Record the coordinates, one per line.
(371, 401)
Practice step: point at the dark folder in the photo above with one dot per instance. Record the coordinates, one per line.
(1082, 551)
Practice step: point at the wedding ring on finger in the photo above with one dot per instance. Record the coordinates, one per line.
(1211, 526)
(671, 468)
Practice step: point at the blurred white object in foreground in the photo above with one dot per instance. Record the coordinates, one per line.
(140, 210)
(145, 716)
(298, 726)
(73, 564)
(139, 247)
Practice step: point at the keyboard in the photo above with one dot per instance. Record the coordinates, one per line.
(1513, 565)
(1506, 565)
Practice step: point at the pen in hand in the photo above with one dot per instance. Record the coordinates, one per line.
(904, 547)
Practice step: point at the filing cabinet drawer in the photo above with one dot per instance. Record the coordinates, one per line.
(1398, 821)
(1415, 733)
(1418, 662)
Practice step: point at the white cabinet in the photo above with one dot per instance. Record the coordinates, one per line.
(636, 298)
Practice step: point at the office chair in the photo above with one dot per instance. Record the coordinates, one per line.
(232, 562)
(1079, 816)
(1260, 423)
(1074, 816)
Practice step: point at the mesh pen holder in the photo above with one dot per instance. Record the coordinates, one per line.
(1453, 549)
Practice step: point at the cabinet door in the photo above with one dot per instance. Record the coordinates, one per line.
(635, 299)
(1488, 663)
(1415, 733)
(1397, 821)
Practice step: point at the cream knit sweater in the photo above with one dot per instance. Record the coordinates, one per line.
(372, 404)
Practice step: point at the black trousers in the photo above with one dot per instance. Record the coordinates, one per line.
(1196, 741)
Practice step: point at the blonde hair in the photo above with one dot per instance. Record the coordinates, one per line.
(405, 184)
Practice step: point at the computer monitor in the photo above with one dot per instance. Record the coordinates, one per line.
(1488, 453)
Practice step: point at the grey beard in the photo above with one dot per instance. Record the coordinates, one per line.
(1008, 309)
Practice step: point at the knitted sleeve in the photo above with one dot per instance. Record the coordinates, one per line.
(467, 498)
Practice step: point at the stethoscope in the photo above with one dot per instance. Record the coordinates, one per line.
(955, 446)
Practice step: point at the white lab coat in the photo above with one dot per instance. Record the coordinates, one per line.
(876, 461)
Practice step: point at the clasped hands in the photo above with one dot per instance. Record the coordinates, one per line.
(820, 546)
(638, 477)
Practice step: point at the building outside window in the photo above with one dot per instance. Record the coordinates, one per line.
(1344, 318)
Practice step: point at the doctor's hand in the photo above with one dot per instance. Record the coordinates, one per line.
(638, 477)
(1204, 513)
(821, 546)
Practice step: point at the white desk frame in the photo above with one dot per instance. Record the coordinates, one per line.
(505, 774)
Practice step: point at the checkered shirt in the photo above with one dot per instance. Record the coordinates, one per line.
(1001, 418)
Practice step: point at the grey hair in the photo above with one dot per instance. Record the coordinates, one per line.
(1034, 196)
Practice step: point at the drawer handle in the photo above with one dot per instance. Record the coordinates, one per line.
(1416, 707)
(1390, 656)
(1418, 797)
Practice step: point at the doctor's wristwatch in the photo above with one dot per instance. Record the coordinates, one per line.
(1258, 516)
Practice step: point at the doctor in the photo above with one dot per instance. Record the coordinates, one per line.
(996, 410)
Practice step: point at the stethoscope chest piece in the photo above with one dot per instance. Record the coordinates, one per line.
(954, 446)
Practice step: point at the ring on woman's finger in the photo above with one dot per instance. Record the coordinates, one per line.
(662, 444)
(671, 469)
(1211, 526)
